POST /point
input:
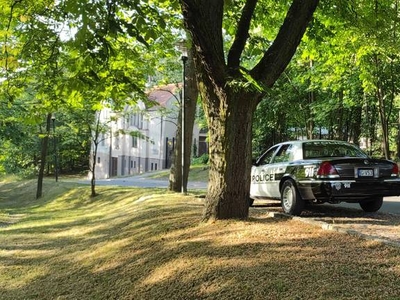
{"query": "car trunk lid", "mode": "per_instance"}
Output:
(359, 168)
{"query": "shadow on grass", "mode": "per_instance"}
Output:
(125, 244)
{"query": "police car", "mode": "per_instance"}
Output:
(322, 171)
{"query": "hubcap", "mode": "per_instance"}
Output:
(287, 198)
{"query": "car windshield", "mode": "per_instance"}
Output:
(317, 149)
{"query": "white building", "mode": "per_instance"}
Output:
(140, 139)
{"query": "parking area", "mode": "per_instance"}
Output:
(390, 205)
(351, 219)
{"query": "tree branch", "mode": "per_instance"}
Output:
(242, 34)
(279, 54)
(204, 26)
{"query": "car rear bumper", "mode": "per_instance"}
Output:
(347, 190)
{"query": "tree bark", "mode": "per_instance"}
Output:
(229, 126)
(96, 142)
(189, 100)
(383, 113)
(43, 155)
(229, 99)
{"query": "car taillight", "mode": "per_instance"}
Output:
(395, 170)
(327, 170)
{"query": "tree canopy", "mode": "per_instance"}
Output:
(275, 69)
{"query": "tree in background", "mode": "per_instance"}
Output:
(177, 179)
(335, 64)
(69, 53)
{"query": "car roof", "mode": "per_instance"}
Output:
(312, 140)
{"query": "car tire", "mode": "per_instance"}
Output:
(372, 205)
(251, 202)
(291, 201)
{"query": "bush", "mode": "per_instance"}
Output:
(202, 160)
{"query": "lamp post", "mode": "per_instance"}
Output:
(53, 118)
(184, 60)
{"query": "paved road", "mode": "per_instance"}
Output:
(390, 205)
(144, 181)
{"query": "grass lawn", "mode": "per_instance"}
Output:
(197, 173)
(133, 243)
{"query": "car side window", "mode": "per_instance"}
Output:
(285, 154)
(267, 156)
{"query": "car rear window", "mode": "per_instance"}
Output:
(317, 149)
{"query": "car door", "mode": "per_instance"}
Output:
(262, 176)
(268, 171)
(278, 166)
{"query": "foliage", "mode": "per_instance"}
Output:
(201, 160)
(72, 57)
(347, 58)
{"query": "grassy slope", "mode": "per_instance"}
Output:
(148, 244)
(197, 173)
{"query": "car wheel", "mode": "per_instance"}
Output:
(251, 201)
(292, 203)
(372, 205)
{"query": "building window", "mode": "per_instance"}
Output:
(133, 119)
(140, 125)
(136, 119)
(116, 140)
(134, 142)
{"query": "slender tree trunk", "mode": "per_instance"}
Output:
(310, 118)
(384, 120)
(340, 117)
(384, 124)
(191, 96)
(356, 126)
(190, 101)
(380, 93)
(43, 155)
(175, 172)
(96, 141)
(93, 169)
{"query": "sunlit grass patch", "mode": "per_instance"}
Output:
(131, 243)
(197, 173)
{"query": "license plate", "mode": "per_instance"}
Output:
(365, 172)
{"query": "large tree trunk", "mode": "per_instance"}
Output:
(229, 127)
(230, 93)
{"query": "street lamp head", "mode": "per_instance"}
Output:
(53, 116)
(184, 58)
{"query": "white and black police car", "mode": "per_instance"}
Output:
(322, 171)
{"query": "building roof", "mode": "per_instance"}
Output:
(161, 95)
